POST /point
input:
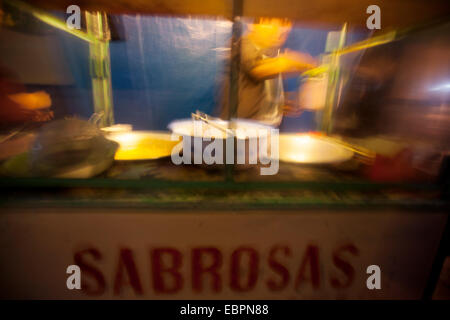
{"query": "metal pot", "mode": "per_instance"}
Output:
(219, 142)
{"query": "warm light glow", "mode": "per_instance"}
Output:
(442, 87)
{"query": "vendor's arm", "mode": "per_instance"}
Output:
(287, 63)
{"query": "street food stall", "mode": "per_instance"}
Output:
(161, 149)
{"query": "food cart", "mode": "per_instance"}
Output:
(139, 225)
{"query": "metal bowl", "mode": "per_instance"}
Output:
(308, 149)
(143, 145)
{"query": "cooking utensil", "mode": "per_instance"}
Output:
(308, 149)
(143, 145)
(240, 130)
(211, 121)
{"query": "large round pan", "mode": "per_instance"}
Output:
(308, 149)
(143, 145)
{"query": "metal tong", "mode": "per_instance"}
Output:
(198, 115)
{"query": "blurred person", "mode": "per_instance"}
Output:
(262, 64)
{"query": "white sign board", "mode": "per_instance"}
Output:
(148, 254)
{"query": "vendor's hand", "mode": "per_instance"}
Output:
(32, 101)
(290, 107)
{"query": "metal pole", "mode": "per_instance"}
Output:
(235, 62)
(100, 66)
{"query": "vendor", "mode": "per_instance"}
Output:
(261, 96)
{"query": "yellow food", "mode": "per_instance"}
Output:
(143, 146)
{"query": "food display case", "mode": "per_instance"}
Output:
(126, 150)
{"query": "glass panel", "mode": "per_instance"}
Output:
(102, 102)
